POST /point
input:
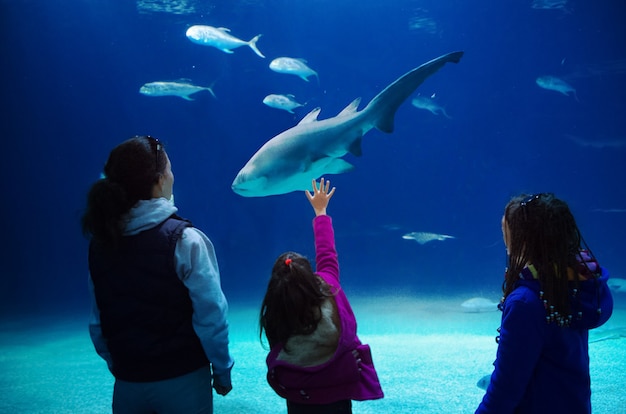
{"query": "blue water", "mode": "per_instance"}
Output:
(72, 71)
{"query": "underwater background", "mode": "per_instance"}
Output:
(72, 72)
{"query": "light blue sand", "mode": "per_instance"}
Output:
(428, 352)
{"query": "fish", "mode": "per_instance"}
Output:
(181, 88)
(553, 83)
(285, 102)
(219, 38)
(617, 285)
(475, 305)
(290, 160)
(293, 66)
(484, 382)
(423, 237)
(429, 104)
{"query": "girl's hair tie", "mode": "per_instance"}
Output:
(288, 262)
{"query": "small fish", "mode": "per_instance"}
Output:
(553, 83)
(182, 88)
(285, 102)
(430, 105)
(617, 285)
(424, 237)
(483, 383)
(293, 66)
(219, 38)
(598, 335)
(475, 305)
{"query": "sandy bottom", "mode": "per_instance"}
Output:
(429, 354)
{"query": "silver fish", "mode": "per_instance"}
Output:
(285, 102)
(553, 83)
(219, 38)
(180, 88)
(293, 66)
(423, 237)
(430, 105)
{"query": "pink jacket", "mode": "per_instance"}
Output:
(350, 373)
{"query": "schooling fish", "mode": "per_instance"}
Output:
(290, 160)
(423, 237)
(285, 102)
(553, 83)
(219, 38)
(181, 88)
(429, 104)
(293, 66)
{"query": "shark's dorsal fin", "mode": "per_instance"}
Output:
(351, 108)
(223, 29)
(311, 116)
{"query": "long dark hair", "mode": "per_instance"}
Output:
(543, 232)
(292, 302)
(132, 169)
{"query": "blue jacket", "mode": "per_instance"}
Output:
(541, 367)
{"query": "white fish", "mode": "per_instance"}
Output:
(429, 104)
(219, 38)
(285, 102)
(617, 285)
(181, 88)
(293, 66)
(553, 83)
(475, 305)
(423, 237)
(289, 161)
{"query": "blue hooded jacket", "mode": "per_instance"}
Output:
(541, 367)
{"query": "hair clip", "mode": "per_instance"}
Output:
(288, 262)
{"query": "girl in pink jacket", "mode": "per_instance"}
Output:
(316, 361)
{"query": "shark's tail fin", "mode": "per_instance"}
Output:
(384, 105)
(252, 44)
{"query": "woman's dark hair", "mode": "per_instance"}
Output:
(132, 169)
(292, 302)
(543, 232)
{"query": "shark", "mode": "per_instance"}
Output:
(220, 38)
(312, 148)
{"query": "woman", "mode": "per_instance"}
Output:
(554, 292)
(316, 361)
(159, 315)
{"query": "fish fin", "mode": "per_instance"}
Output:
(351, 108)
(338, 166)
(311, 116)
(386, 103)
(355, 148)
(252, 44)
(227, 51)
(223, 29)
(187, 98)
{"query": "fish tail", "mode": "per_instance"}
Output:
(252, 44)
(384, 105)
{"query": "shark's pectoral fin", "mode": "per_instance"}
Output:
(329, 165)
(355, 148)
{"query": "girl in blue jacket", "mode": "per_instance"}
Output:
(554, 292)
